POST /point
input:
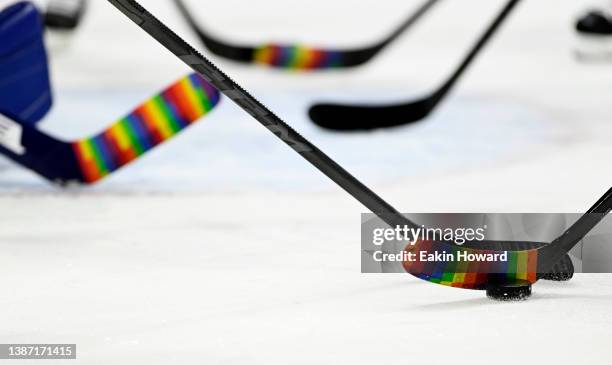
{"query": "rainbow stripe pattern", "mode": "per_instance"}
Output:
(296, 57)
(152, 123)
(521, 266)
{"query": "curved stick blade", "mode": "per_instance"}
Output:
(91, 159)
(362, 118)
(333, 116)
(298, 57)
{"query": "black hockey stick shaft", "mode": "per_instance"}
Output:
(570, 238)
(480, 44)
(149, 23)
(231, 51)
(418, 14)
(367, 117)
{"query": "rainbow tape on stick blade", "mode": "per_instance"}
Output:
(472, 272)
(152, 123)
(297, 57)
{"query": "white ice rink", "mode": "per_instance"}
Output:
(225, 247)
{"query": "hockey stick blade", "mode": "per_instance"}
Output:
(89, 160)
(523, 263)
(343, 117)
(297, 57)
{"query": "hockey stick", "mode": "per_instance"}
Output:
(523, 266)
(65, 14)
(299, 57)
(367, 117)
(91, 159)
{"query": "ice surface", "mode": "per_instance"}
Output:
(227, 151)
(224, 248)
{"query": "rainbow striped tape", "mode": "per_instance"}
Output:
(152, 123)
(520, 266)
(297, 57)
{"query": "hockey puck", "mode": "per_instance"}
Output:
(64, 14)
(515, 291)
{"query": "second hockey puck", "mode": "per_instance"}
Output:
(514, 291)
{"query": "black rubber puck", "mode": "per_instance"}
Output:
(56, 21)
(516, 291)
